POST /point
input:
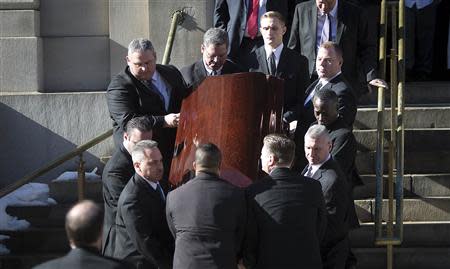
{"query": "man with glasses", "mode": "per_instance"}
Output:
(214, 59)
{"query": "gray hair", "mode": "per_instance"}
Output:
(140, 45)
(216, 37)
(317, 131)
(138, 151)
(281, 147)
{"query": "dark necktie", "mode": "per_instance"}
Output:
(160, 191)
(272, 64)
(153, 88)
(309, 171)
(311, 94)
(213, 73)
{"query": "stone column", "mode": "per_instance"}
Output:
(20, 46)
(130, 19)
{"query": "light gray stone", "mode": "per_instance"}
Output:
(423, 209)
(20, 64)
(415, 117)
(40, 127)
(19, 4)
(74, 18)
(76, 64)
(19, 23)
(128, 19)
(151, 19)
(415, 234)
(189, 35)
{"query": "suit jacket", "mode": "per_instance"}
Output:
(207, 217)
(142, 235)
(85, 258)
(231, 16)
(292, 68)
(346, 108)
(336, 193)
(118, 170)
(195, 73)
(353, 35)
(287, 220)
(127, 98)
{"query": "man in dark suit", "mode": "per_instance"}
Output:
(328, 64)
(343, 151)
(286, 213)
(344, 22)
(214, 59)
(207, 216)
(335, 246)
(148, 89)
(240, 18)
(142, 235)
(275, 59)
(118, 170)
(84, 223)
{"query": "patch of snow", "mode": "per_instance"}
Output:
(73, 175)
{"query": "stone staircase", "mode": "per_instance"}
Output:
(46, 238)
(426, 186)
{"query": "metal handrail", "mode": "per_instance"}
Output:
(177, 18)
(394, 233)
(78, 151)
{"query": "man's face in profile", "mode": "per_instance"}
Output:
(214, 56)
(142, 64)
(151, 167)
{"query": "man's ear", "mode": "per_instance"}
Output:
(272, 160)
(202, 48)
(330, 146)
(137, 165)
(194, 165)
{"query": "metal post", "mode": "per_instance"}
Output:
(81, 178)
(177, 18)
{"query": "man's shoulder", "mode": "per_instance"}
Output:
(120, 79)
(305, 5)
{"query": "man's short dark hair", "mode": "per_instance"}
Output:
(281, 147)
(326, 95)
(332, 45)
(274, 14)
(143, 124)
(208, 156)
(84, 223)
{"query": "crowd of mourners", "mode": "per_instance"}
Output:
(298, 215)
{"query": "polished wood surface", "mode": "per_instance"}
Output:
(234, 112)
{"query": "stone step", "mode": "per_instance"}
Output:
(41, 216)
(430, 162)
(414, 117)
(430, 92)
(67, 191)
(25, 261)
(415, 140)
(37, 240)
(404, 258)
(415, 234)
(423, 209)
(434, 185)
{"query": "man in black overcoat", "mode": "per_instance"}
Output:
(286, 213)
(207, 216)
(83, 226)
(148, 89)
(118, 170)
(142, 235)
(214, 60)
(335, 246)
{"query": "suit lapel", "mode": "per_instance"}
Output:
(261, 57)
(199, 71)
(282, 63)
(340, 25)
